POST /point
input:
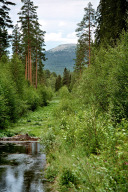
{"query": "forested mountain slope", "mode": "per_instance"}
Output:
(60, 57)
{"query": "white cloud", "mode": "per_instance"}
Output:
(62, 24)
(71, 35)
(53, 36)
(43, 23)
(60, 38)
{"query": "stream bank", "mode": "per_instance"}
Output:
(35, 124)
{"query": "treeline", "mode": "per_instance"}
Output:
(87, 147)
(23, 72)
(16, 95)
(27, 40)
(100, 61)
(106, 24)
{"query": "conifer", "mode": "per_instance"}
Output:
(5, 23)
(84, 33)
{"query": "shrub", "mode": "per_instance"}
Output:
(8, 97)
(32, 98)
(51, 173)
(68, 177)
(64, 92)
(4, 117)
(45, 94)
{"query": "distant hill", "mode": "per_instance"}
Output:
(60, 57)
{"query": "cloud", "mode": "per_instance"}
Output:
(43, 23)
(62, 24)
(59, 37)
(71, 35)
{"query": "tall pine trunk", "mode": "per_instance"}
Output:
(30, 68)
(36, 68)
(28, 52)
(26, 68)
(28, 63)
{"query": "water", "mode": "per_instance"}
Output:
(21, 167)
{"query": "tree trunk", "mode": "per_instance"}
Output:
(36, 68)
(28, 63)
(28, 52)
(30, 68)
(26, 71)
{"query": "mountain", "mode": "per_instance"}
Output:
(60, 57)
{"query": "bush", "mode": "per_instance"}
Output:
(67, 177)
(8, 97)
(45, 94)
(16, 68)
(32, 98)
(51, 173)
(64, 92)
(4, 117)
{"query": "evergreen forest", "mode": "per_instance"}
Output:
(81, 117)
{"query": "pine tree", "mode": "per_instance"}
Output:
(5, 23)
(81, 56)
(84, 32)
(16, 40)
(58, 83)
(32, 41)
(66, 78)
(111, 19)
(27, 18)
(38, 45)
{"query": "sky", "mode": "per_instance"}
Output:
(59, 18)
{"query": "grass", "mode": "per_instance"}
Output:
(35, 123)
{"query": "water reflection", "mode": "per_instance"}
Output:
(20, 167)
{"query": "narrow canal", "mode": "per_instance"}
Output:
(21, 167)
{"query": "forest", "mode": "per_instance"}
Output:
(82, 116)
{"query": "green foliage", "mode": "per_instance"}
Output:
(84, 33)
(68, 177)
(16, 96)
(49, 79)
(8, 96)
(85, 137)
(104, 84)
(3, 109)
(45, 94)
(51, 173)
(35, 98)
(58, 83)
(89, 148)
(32, 98)
(63, 92)
(16, 40)
(111, 23)
(17, 72)
(5, 22)
(66, 78)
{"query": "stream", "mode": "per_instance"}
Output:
(21, 167)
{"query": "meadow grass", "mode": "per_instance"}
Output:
(34, 123)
